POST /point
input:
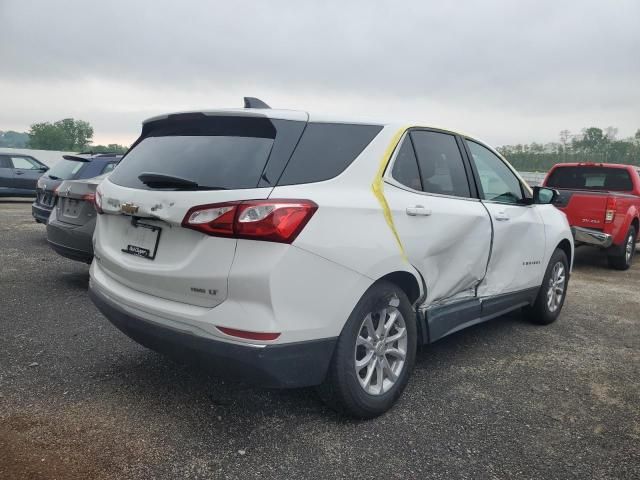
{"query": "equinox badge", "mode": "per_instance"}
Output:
(129, 208)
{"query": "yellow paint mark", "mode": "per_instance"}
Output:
(378, 188)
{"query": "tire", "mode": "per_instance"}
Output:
(550, 300)
(346, 390)
(623, 259)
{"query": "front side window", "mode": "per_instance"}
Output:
(24, 163)
(499, 183)
(440, 163)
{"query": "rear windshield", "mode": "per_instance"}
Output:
(591, 178)
(66, 169)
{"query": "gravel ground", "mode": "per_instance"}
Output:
(501, 400)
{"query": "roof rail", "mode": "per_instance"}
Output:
(252, 102)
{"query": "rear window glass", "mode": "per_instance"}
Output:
(590, 178)
(217, 153)
(326, 150)
(66, 169)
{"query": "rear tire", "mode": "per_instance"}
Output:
(624, 258)
(552, 293)
(374, 355)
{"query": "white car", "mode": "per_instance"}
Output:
(290, 249)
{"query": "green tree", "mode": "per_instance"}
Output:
(593, 140)
(111, 148)
(67, 134)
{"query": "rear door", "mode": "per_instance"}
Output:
(6, 173)
(140, 242)
(26, 172)
(518, 243)
(445, 231)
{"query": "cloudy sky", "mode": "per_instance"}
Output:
(506, 71)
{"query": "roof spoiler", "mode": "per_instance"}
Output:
(252, 102)
(76, 158)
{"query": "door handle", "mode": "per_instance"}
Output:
(418, 210)
(19, 173)
(501, 217)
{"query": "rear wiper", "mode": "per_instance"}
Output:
(159, 180)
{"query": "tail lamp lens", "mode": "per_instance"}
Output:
(610, 212)
(97, 201)
(268, 220)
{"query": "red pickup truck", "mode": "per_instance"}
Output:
(602, 204)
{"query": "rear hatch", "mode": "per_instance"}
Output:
(179, 162)
(75, 199)
(66, 169)
(584, 190)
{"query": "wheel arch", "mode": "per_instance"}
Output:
(407, 282)
(565, 246)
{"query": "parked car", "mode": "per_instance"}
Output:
(291, 250)
(71, 167)
(73, 219)
(19, 175)
(602, 203)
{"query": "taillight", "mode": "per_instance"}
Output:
(269, 220)
(610, 212)
(97, 201)
(89, 197)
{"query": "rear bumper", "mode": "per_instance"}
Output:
(289, 365)
(40, 213)
(591, 237)
(71, 241)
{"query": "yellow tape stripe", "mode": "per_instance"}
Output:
(378, 187)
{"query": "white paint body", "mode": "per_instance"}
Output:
(307, 290)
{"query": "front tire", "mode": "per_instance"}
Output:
(624, 259)
(553, 291)
(374, 355)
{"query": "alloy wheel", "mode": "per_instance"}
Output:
(556, 286)
(381, 349)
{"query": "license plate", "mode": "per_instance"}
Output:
(142, 240)
(71, 208)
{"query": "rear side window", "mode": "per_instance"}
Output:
(326, 150)
(440, 162)
(108, 167)
(65, 169)
(591, 178)
(405, 167)
(5, 162)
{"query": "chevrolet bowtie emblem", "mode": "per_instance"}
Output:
(128, 208)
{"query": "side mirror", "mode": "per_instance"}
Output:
(43, 169)
(544, 196)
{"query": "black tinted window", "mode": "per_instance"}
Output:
(591, 178)
(498, 182)
(405, 166)
(440, 163)
(326, 150)
(5, 162)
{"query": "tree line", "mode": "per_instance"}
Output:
(592, 144)
(67, 135)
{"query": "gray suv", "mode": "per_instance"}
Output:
(19, 175)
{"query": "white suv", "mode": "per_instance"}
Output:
(293, 250)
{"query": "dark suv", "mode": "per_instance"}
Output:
(71, 167)
(19, 174)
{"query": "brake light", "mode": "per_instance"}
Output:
(610, 212)
(97, 201)
(268, 220)
(248, 335)
(89, 197)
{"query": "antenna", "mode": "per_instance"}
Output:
(252, 102)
